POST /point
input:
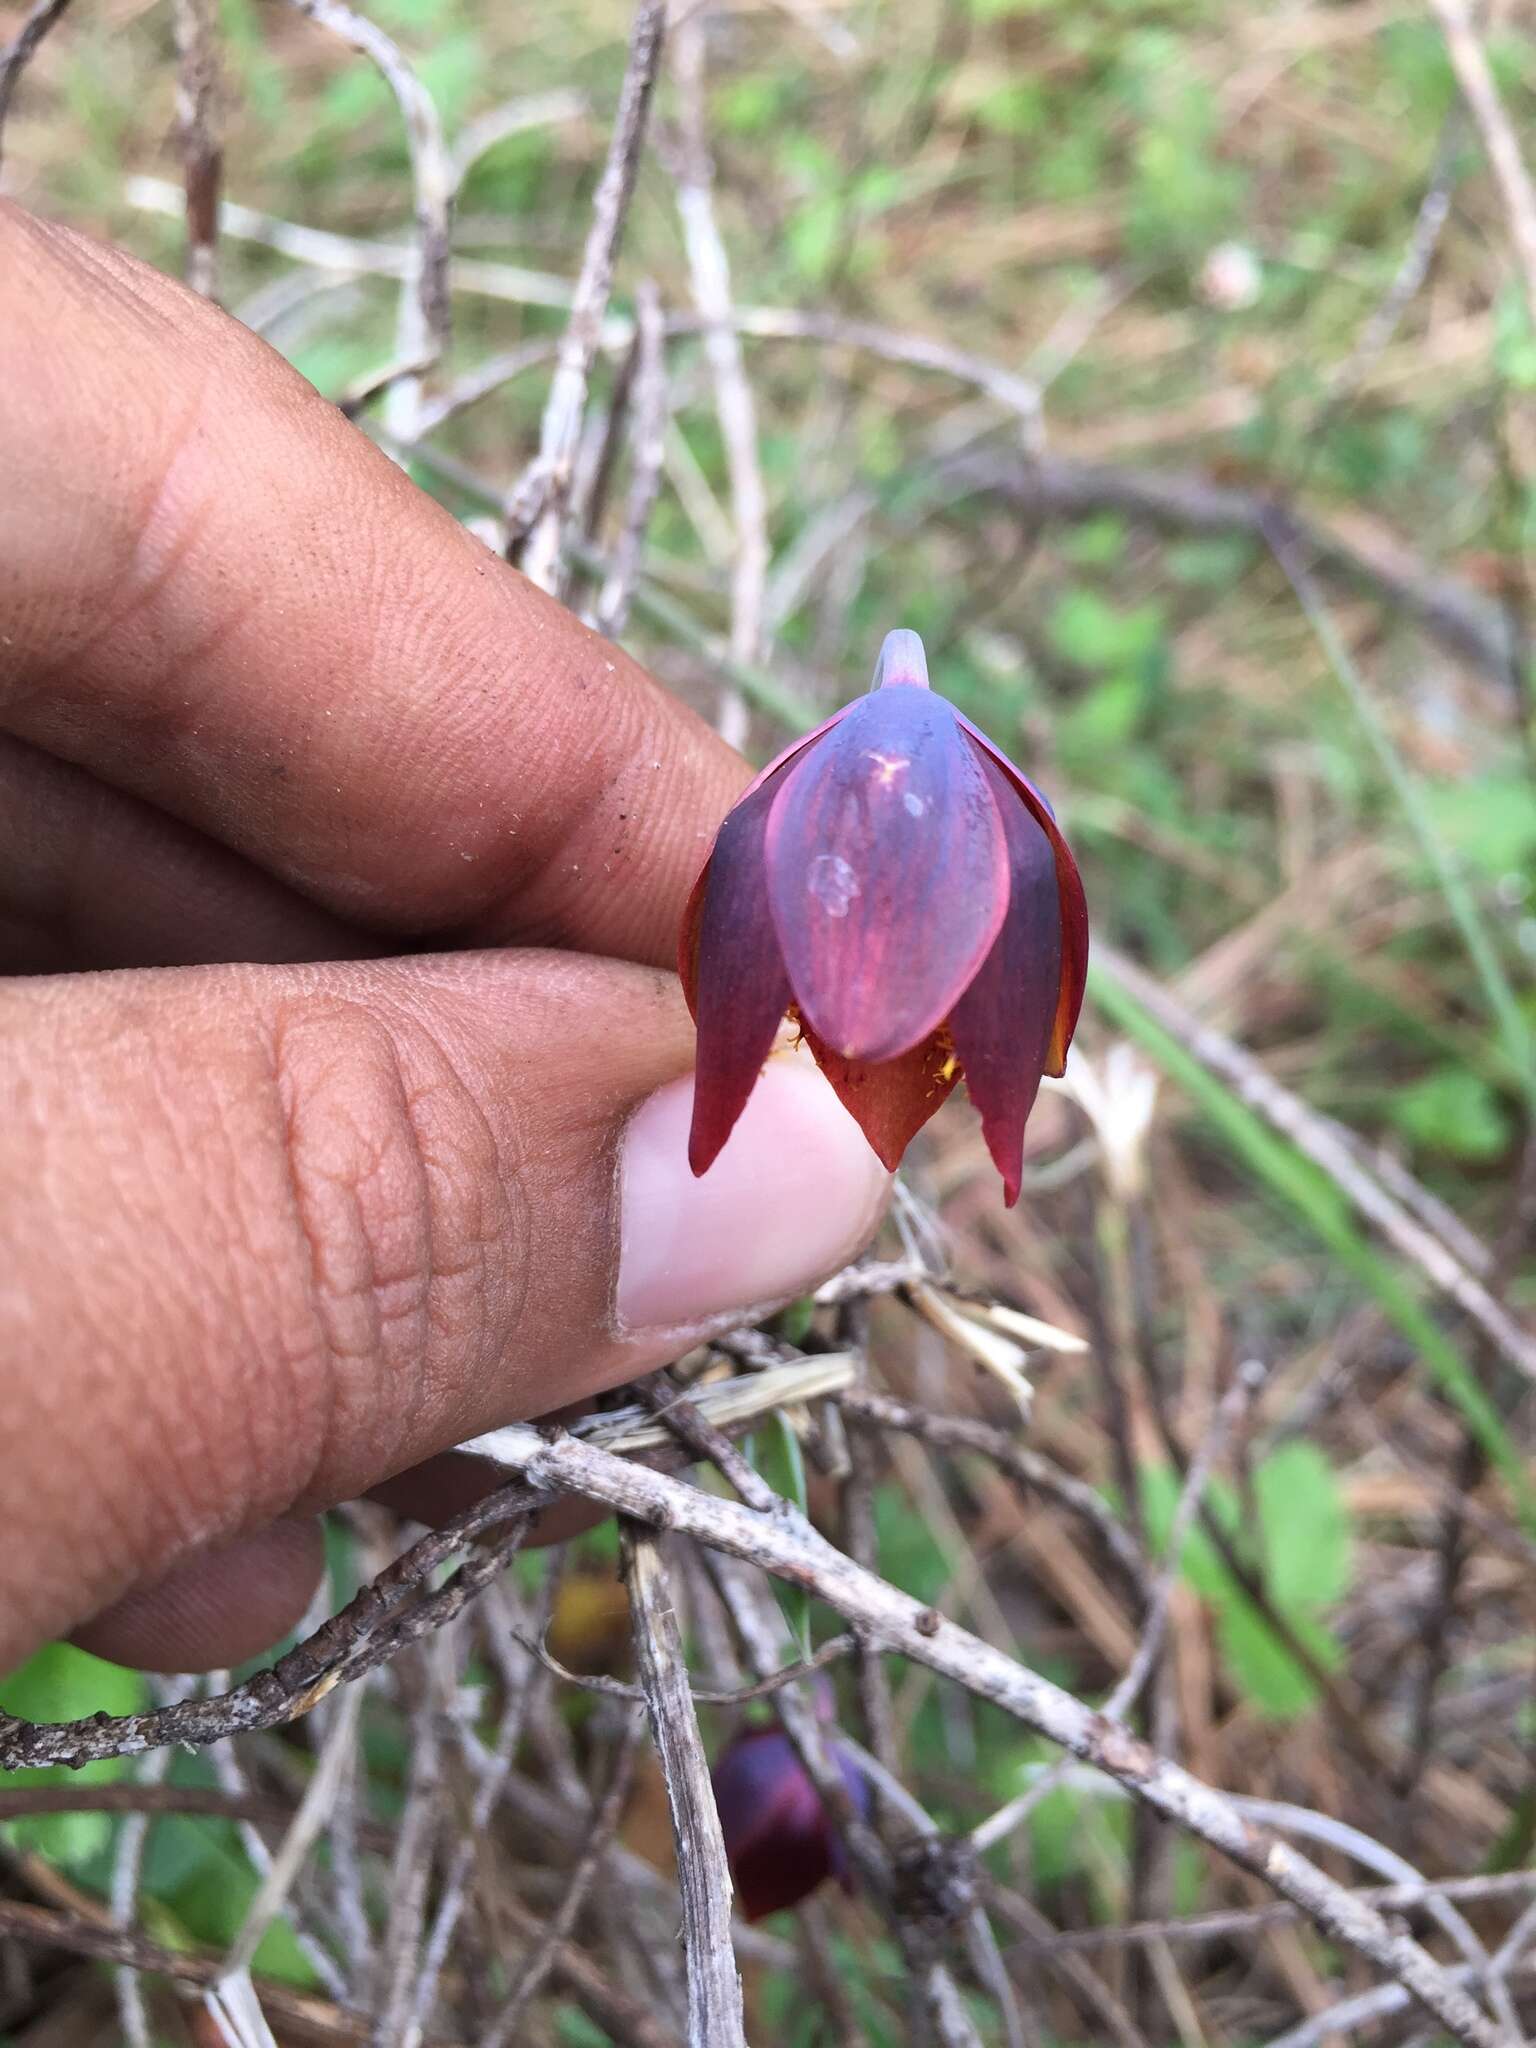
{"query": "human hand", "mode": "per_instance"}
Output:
(272, 1233)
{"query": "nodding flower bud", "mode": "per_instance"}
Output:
(780, 1840)
(894, 884)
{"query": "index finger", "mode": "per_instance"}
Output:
(217, 594)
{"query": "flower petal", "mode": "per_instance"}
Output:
(890, 1100)
(887, 873)
(1002, 1025)
(1074, 905)
(902, 659)
(732, 973)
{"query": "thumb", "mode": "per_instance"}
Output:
(278, 1233)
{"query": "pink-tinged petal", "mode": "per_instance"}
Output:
(1074, 905)
(733, 975)
(892, 1100)
(901, 660)
(887, 873)
(1002, 1025)
(688, 936)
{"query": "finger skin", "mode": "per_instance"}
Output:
(217, 595)
(277, 1233)
(90, 877)
(216, 1608)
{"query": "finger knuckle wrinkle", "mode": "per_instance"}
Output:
(391, 1169)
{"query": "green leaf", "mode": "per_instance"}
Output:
(795, 1321)
(774, 1452)
(65, 1684)
(1263, 1667)
(210, 1902)
(1304, 1528)
(1200, 1564)
(1455, 1112)
(909, 1552)
(814, 236)
(1087, 629)
(1491, 821)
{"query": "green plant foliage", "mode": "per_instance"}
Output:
(872, 1978)
(1295, 1531)
(909, 1553)
(774, 1451)
(1453, 1112)
(1491, 823)
(62, 1683)
(200, 1885)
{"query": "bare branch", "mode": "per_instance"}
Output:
(514, 117)
(303, 1831)
(1117, 1708)
(355, 255)
(710, 271)
(537, 541)
(1014, 392)
(425, 308)
(1025, 1467)
(647, 456)
(127, 1866)
(399, 1606)
(411, 1866)
(1469, 60)
(590, 1985)
(787, 1546)
(1396, 1898)
(734, 1696)
(1468, 624)
(703, 1876)
(197, 119)
(18, 54)
(696, 1433)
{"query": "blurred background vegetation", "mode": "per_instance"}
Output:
(1254, 258)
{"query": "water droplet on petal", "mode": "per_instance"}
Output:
(913, 804)
(833, 883)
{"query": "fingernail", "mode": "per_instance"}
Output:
(795, 1193)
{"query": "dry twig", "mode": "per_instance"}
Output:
(703, 1877)
(19, 53)
(197, 119)
(647, 455)
(1469, 60)
(537, 506)
(787, 1546)
(425, 307)
(709, 269)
